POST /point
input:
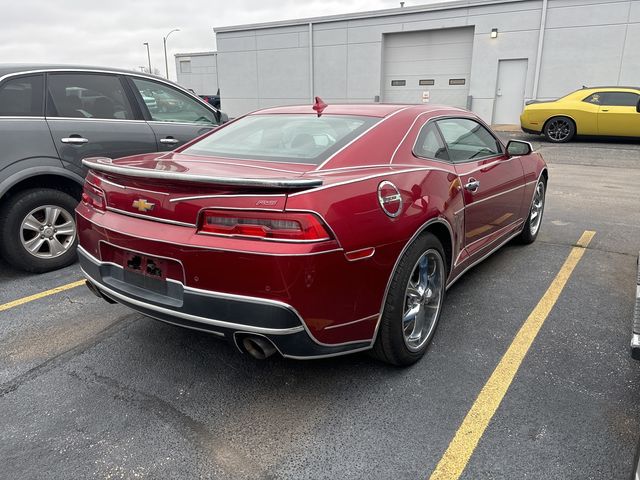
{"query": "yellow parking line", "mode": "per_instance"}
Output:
(455, 459)
(31, 298)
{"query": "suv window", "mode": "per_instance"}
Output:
(614, 99)
(429, 143)
(22, 97)
(166, 104)
(87, 95)
(466, 139)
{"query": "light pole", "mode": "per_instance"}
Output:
(166, 62)
(148, 56)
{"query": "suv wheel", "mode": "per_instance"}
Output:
(38, 230)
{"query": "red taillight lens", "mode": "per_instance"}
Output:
(93, 197)
(268, 225)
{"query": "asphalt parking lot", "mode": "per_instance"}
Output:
(89, 389)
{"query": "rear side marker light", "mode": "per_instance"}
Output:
(360, 254)
(282, 226)
(93, 197)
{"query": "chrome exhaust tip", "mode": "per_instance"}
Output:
(258, 347)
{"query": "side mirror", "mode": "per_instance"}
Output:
(224, 118)
(518, 148)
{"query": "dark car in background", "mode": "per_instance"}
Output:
(51, 117)
(212, 99)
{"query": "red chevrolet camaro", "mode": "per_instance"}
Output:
(310, 232)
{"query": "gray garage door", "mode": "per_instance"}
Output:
(432, 65)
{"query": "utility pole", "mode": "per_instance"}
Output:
(148, 55)
(166, 62)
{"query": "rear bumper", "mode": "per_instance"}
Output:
(529, 130)
(225, 315)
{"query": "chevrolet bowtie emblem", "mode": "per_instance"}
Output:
(142, 205)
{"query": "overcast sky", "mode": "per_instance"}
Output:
(112, 32)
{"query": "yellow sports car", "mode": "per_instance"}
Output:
(609, 111)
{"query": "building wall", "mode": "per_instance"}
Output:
(586, 42)
(203, 75)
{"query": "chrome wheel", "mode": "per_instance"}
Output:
(537, 207)
(48, 231)
(559, 129)
(423, 299)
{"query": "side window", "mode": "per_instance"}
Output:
(619, 99)
(429, 143)
(593, 98)
(87, 95)
(22, 97)
(166, 104)
(466, 139)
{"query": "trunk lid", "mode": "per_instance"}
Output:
(174, 187)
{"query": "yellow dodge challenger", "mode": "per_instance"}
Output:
(609, 111)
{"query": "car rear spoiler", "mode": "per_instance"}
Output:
(103, 164)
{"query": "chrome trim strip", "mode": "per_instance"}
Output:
(234, 181)
(21, 117)
(200, 197)
(476, 202)
(380, 122)
(153, 219)
(363, 167)
(192, 318)
(93, 119)
(261, 239)
(395, 266)
(362, 179)
(353, 322)
(124, 187)
(330, 355)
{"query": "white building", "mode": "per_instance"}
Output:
(198, 71)
(487, 55)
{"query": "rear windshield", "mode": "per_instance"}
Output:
(283, 138)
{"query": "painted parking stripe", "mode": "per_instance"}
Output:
(31, 298)
(457, 455)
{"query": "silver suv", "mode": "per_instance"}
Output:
(51, 117)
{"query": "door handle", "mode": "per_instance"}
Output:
(169, 140)
(75, 140)
(604, 110)
(472, 185)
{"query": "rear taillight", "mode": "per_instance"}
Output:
(94, 197)
(284, 226)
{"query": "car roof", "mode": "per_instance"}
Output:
(12, 68)
(366, 109)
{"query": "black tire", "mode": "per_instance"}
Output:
(528, 234)
(15, 210)
(559, 129)
(390, 345)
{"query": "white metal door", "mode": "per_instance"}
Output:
(428, 66)
(512, 77)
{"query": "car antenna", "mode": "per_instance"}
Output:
(319, 106)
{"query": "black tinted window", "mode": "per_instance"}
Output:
(619, 99)
(166, 104)
(22, 96)
(84, 95)
(467, 139)
(429, 143)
